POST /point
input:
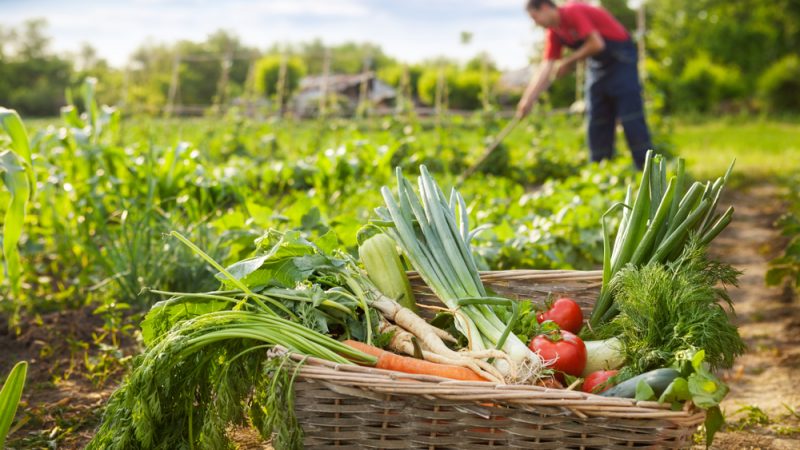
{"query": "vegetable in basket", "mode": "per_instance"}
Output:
(566, 313)
(379, 255)
(603, 355)
(672, 322)
(406, 364)
(433, 232)
(657, 225)
(206, 353)
(564, 352)
(599, 381)
(663, 298)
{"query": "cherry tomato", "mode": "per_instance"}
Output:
(564, 348)
(566, 313)
(593, 381)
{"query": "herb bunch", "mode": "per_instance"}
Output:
(669, 309)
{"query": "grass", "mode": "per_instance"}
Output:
(763, 148)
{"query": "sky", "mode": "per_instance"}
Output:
(410, 30)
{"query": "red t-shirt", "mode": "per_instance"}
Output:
(578, 20)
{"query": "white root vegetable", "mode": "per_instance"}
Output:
(603, 355)
(402, 343)
(430, 340)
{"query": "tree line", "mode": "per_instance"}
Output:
(702, 55)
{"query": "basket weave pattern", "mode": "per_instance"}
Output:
(357, 407)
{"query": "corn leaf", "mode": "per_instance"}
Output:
(9, 398)
(17, 184)
(20, 144)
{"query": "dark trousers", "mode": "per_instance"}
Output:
(613, 92)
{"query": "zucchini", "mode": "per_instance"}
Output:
(382, 262)
(658, 380)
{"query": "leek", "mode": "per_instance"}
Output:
(433, 232)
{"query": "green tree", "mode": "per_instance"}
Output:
(481, 59)
(749, 35)
(349, 57)
(32, 79)
(267, 74)
(429, 79)
(87, 63)
(779, 86)
(200, 71)
(464, 86)
(622, 12)
(393, 74)
(703, 84)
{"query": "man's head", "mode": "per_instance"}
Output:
(543, 12)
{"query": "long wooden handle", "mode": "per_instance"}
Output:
(490, 148)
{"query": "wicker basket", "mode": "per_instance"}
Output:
(357, 407)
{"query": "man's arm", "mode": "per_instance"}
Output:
(593, 45)
(538, 84)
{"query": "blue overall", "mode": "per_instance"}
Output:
(613, 92)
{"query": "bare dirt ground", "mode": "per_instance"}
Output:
(68, 382)
(69, 379)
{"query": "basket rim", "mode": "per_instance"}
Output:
(579, 403)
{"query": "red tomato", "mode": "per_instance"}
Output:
(566, 313)
(595, 379)
(564, 348)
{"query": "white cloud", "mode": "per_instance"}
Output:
(410, 30)
(328, 8)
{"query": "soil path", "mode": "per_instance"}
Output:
(69, 380)
(766, 377)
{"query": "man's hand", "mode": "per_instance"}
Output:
(565, 68)
(594, 44)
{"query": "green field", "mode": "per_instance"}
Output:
(111, 189)
(763, 148)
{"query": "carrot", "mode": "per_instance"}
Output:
(365, 348)
(405, 364)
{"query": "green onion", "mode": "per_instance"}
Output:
(658, 225)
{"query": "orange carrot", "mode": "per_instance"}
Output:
(405, 364)
(365, 348)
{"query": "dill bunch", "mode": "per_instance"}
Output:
(669, 309)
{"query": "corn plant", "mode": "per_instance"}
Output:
(9, 398)
(17, 171)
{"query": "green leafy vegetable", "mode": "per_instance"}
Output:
(706, 390)
(206, 352)
(657, 225)
(676, 393)
(644, 391)
(714, 422)
(669, 309)
(196, 380)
